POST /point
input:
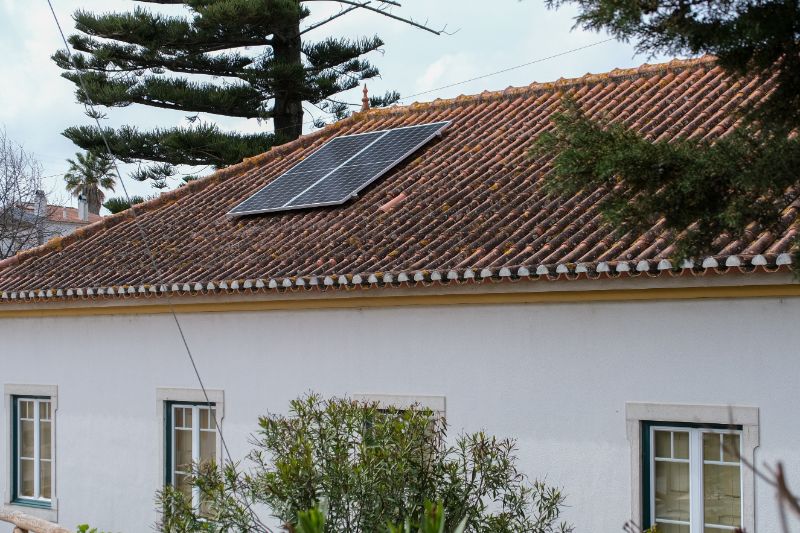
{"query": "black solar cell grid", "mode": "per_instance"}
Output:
(340, 185)
(395, 145)
(339, 169)
(335, 152)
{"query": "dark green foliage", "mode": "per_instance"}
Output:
(734, 185)
(118, 204)
(237, 58)
(702, 190)
(371, 468)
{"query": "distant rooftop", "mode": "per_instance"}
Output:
(68, 215)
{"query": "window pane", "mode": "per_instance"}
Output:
(672, 491)
(183, 450)
(711, 444)
(681, 444)
(26, 438)
(730, 448)
(673, 528)
(26, 478)
(26, 409)
(212, 413)
(183, 485)
(204, 416)
(44, 479)
(45, 440)
(208, 446)
(187, 417)
(178, 411)
(722, 495)
(44, 410)
(663, 447)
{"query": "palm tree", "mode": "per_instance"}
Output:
(88, 174)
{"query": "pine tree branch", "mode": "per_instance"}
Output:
(131, 58)
(168, 33)
(240, 100)
(199, 145)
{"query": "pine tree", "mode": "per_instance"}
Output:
(237, 58)
(700, 189)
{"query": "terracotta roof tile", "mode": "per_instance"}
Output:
(465, 207)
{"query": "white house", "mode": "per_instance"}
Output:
(34, 223)
(451, 279)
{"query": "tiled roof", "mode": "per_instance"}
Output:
(467, 207)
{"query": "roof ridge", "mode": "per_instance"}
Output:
(586, 79)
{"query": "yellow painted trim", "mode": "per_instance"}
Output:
(617, 295)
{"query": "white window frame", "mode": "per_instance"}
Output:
(636, 413)
(10, 501)
(37, 402)
(437, 404)
(176, 396)
(696, 462)
(196, 430)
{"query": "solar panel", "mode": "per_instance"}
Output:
(339, 170)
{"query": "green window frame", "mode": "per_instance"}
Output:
(199, 419)
(697, 463)
(38, 410)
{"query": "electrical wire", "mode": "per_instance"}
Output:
(149, 251)
(509, 69)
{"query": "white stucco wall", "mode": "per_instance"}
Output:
(555, 376)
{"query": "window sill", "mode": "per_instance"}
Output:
(35, 509)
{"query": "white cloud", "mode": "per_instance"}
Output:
(448, 69)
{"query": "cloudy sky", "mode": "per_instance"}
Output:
(36, 104)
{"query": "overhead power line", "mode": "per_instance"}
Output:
(509, 69)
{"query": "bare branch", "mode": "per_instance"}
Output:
(327, 20)
(23, 206)
(383, 11)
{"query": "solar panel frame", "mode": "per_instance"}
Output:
(290, 205)
(285, 187)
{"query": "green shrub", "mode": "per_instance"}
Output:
(373, 468)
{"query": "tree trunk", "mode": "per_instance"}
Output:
(289, 80)
(93, 200)
(30, 524)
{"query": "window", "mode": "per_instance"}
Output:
(191, 440)
(403, 402)
(32, 441)
(687, 471)
(385, 402)
(189, 418)
(30, 425)
(694, 480)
